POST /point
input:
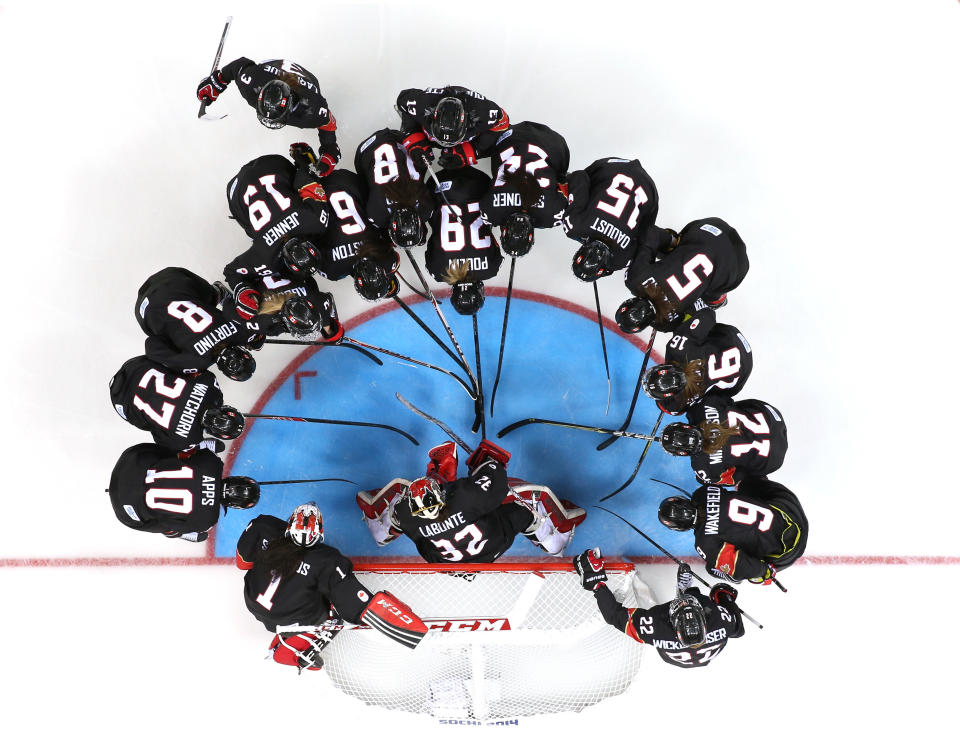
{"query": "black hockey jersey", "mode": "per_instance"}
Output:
(324, 577)
(381, 160)
(652, 626)
(310, 108)
(613, 200)
(276, 285)
(485, 119)
(469, 528)
(468, 241)
(725, 357)
(540, 152)
(709, 260)
(265, 200)
(168, 404)
(738, 531)
(178, 310)
(153, 489)
(349, 226)
(758, 450)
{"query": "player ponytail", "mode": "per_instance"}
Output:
(716, 435)
(693, 388)
(525, 185)
(667, 311)
(459, 273)
(273, 302)
(405, 192)
(282, 556)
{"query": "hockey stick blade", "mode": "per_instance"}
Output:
(305, 480)
(202, 114)
(663, 482)
(636, 393)
(348, 343)
(333, 422)
(639, 462)
(594, 429)
(435, 421)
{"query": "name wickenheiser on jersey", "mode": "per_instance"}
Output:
(189, 414)
(218, 335)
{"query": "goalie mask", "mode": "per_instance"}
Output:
(688, 621)
(664, 381)
(274, 104)
(406, 228)
(448, 126)
(240, 492)
(300, 257)
(425, 498)
(677, 513)
(236, 363)
(305, 526)
(681, 440)
(225, 422)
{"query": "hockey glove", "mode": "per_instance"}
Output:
(302, 649)
(247, 301)
(767, 577)
(419, 148)
(487, 450)
(193, 537)
(303, 156)
(211, 87)
(256, 341)
(394, 618)
(443, 461)
(723, 594)
(589, 566)
(332, 333)
(458, 157)
(327, 162)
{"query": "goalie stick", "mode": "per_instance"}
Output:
(436, 421)
(669, 555)
(300, 419)
(595, 429)
(202, 114)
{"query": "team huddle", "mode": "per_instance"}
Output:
(419, 185)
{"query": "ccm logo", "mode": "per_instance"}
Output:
(470, 624)
(396, 612)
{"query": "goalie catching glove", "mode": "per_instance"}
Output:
(394, 619)
(589, 566)
(487, 450)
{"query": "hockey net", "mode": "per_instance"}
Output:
(506, 640)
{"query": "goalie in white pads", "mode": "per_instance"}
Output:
(473, 519)
(298, 587)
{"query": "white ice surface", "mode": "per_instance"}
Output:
(826, 132)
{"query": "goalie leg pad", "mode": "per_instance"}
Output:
(302, 649)
(394, 619)
(377, 510)
(564, 514)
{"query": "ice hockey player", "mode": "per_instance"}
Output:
(702, 357)
(473, 519)
(462, 250)
(397, 202)
(181, 411)
(689, 631)
(612, 208)
(178, 494)
(708, 260)
(529, 190)
(295, 583)
(727, 441)
(462, 122)
(283, 93)
(274, 199)
(748, 533)
(179, 311)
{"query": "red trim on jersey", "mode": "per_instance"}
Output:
(727, 559)
(469, 153)
(502, 124)
(413, 138)
(242, 564)
(629, 630)
(726, 477)
(313, 191)
(331, 125)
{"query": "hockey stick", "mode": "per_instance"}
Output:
(639, 462)
(676, 560)
(426, 293)
(305, 480)
(436, 421)
(351, 345)
(595, 429)
(476, 352)
(360, 345)
(409, 285)
(426, 329)
(636, 393)
(503, 333)
(441, 191)
(404, 434)
(603, 343)
(216, 61)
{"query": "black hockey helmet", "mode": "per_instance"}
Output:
(681, 440)
(274, 104)
(237, 363)
(677, 513)
(300, 316)
(371, 281)
(448, 125)
(664, 381)
(407, 228)
(225, 422)
(240, 492)
(592, 260)
(635, 314)
(688, 621)
(467, 298)
(516, 234)
(300, 257)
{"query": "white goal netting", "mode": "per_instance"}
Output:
(510, 640)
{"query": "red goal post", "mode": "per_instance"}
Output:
(509, 639)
